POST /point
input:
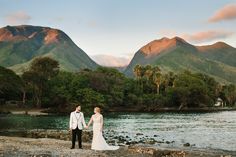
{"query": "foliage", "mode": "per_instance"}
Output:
(42, 69)
(151, 90)
(11, 85)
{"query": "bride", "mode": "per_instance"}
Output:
(98, 142)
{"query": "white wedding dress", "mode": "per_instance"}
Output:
(98, 142)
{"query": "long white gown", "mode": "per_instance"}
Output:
(98, 142)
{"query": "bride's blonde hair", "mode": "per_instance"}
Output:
(98, 109)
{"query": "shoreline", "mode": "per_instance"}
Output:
(44, 111)
(24, 111)
(21, 146)
(121, 140)
(173, 110)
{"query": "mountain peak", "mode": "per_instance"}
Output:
(164, 44)
(27, 32)
(23, 43)
(165, 39)
(220, 45)
(178, 39)
(217, 45)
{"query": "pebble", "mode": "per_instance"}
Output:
(186, 144)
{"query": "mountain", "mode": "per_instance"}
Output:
(20, 44)
(217, 60)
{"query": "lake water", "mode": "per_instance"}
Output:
(202, 130)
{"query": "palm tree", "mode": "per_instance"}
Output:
(148, 72)
(157, 77)
(166, 81)
(137, 71)
(169, 80)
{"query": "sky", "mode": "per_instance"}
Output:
(118, 28)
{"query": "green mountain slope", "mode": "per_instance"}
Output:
(20, 44)
(217, 60)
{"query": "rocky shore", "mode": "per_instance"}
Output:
(50, 143)
(110, 136)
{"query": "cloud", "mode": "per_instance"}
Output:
(19, 17)
(207, 36)
(228, 12)
(111, 61)
(92, 24)
(198, 37)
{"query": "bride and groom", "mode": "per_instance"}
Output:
(77, 123)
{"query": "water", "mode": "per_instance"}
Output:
(203, 130)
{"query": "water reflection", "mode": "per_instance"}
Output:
(214, 130)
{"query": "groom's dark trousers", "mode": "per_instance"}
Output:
(77, 132)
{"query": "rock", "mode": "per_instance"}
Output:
(139, 134)
(57, 134)
(141, 141)
(167, 142)
(128, 143)
(166, 152)
(131, 143)
(169, 153)
(186, 144)
(159, 141)
(150, 141)
(112, 142)
(141, 150)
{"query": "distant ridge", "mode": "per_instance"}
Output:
(175, 54)
(20, 44)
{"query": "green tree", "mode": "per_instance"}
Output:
(11, 85)
(157, 78)
(89, 98)
(228, 94)
(42, 69)
(45, 66)
(195, 89)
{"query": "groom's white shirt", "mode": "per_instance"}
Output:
(77, 119)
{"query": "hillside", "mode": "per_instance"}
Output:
(217, 60)
(20, 44)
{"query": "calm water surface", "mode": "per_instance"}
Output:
(203, 130)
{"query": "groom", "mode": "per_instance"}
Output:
(76, 125)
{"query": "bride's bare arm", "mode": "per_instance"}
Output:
(101, 120)
(90, 121)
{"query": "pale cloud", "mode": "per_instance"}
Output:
(228, 12)
(207, 36)
(19, 17)
(111, 61)
(92, 23)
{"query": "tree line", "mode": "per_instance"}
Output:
(44, 85)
